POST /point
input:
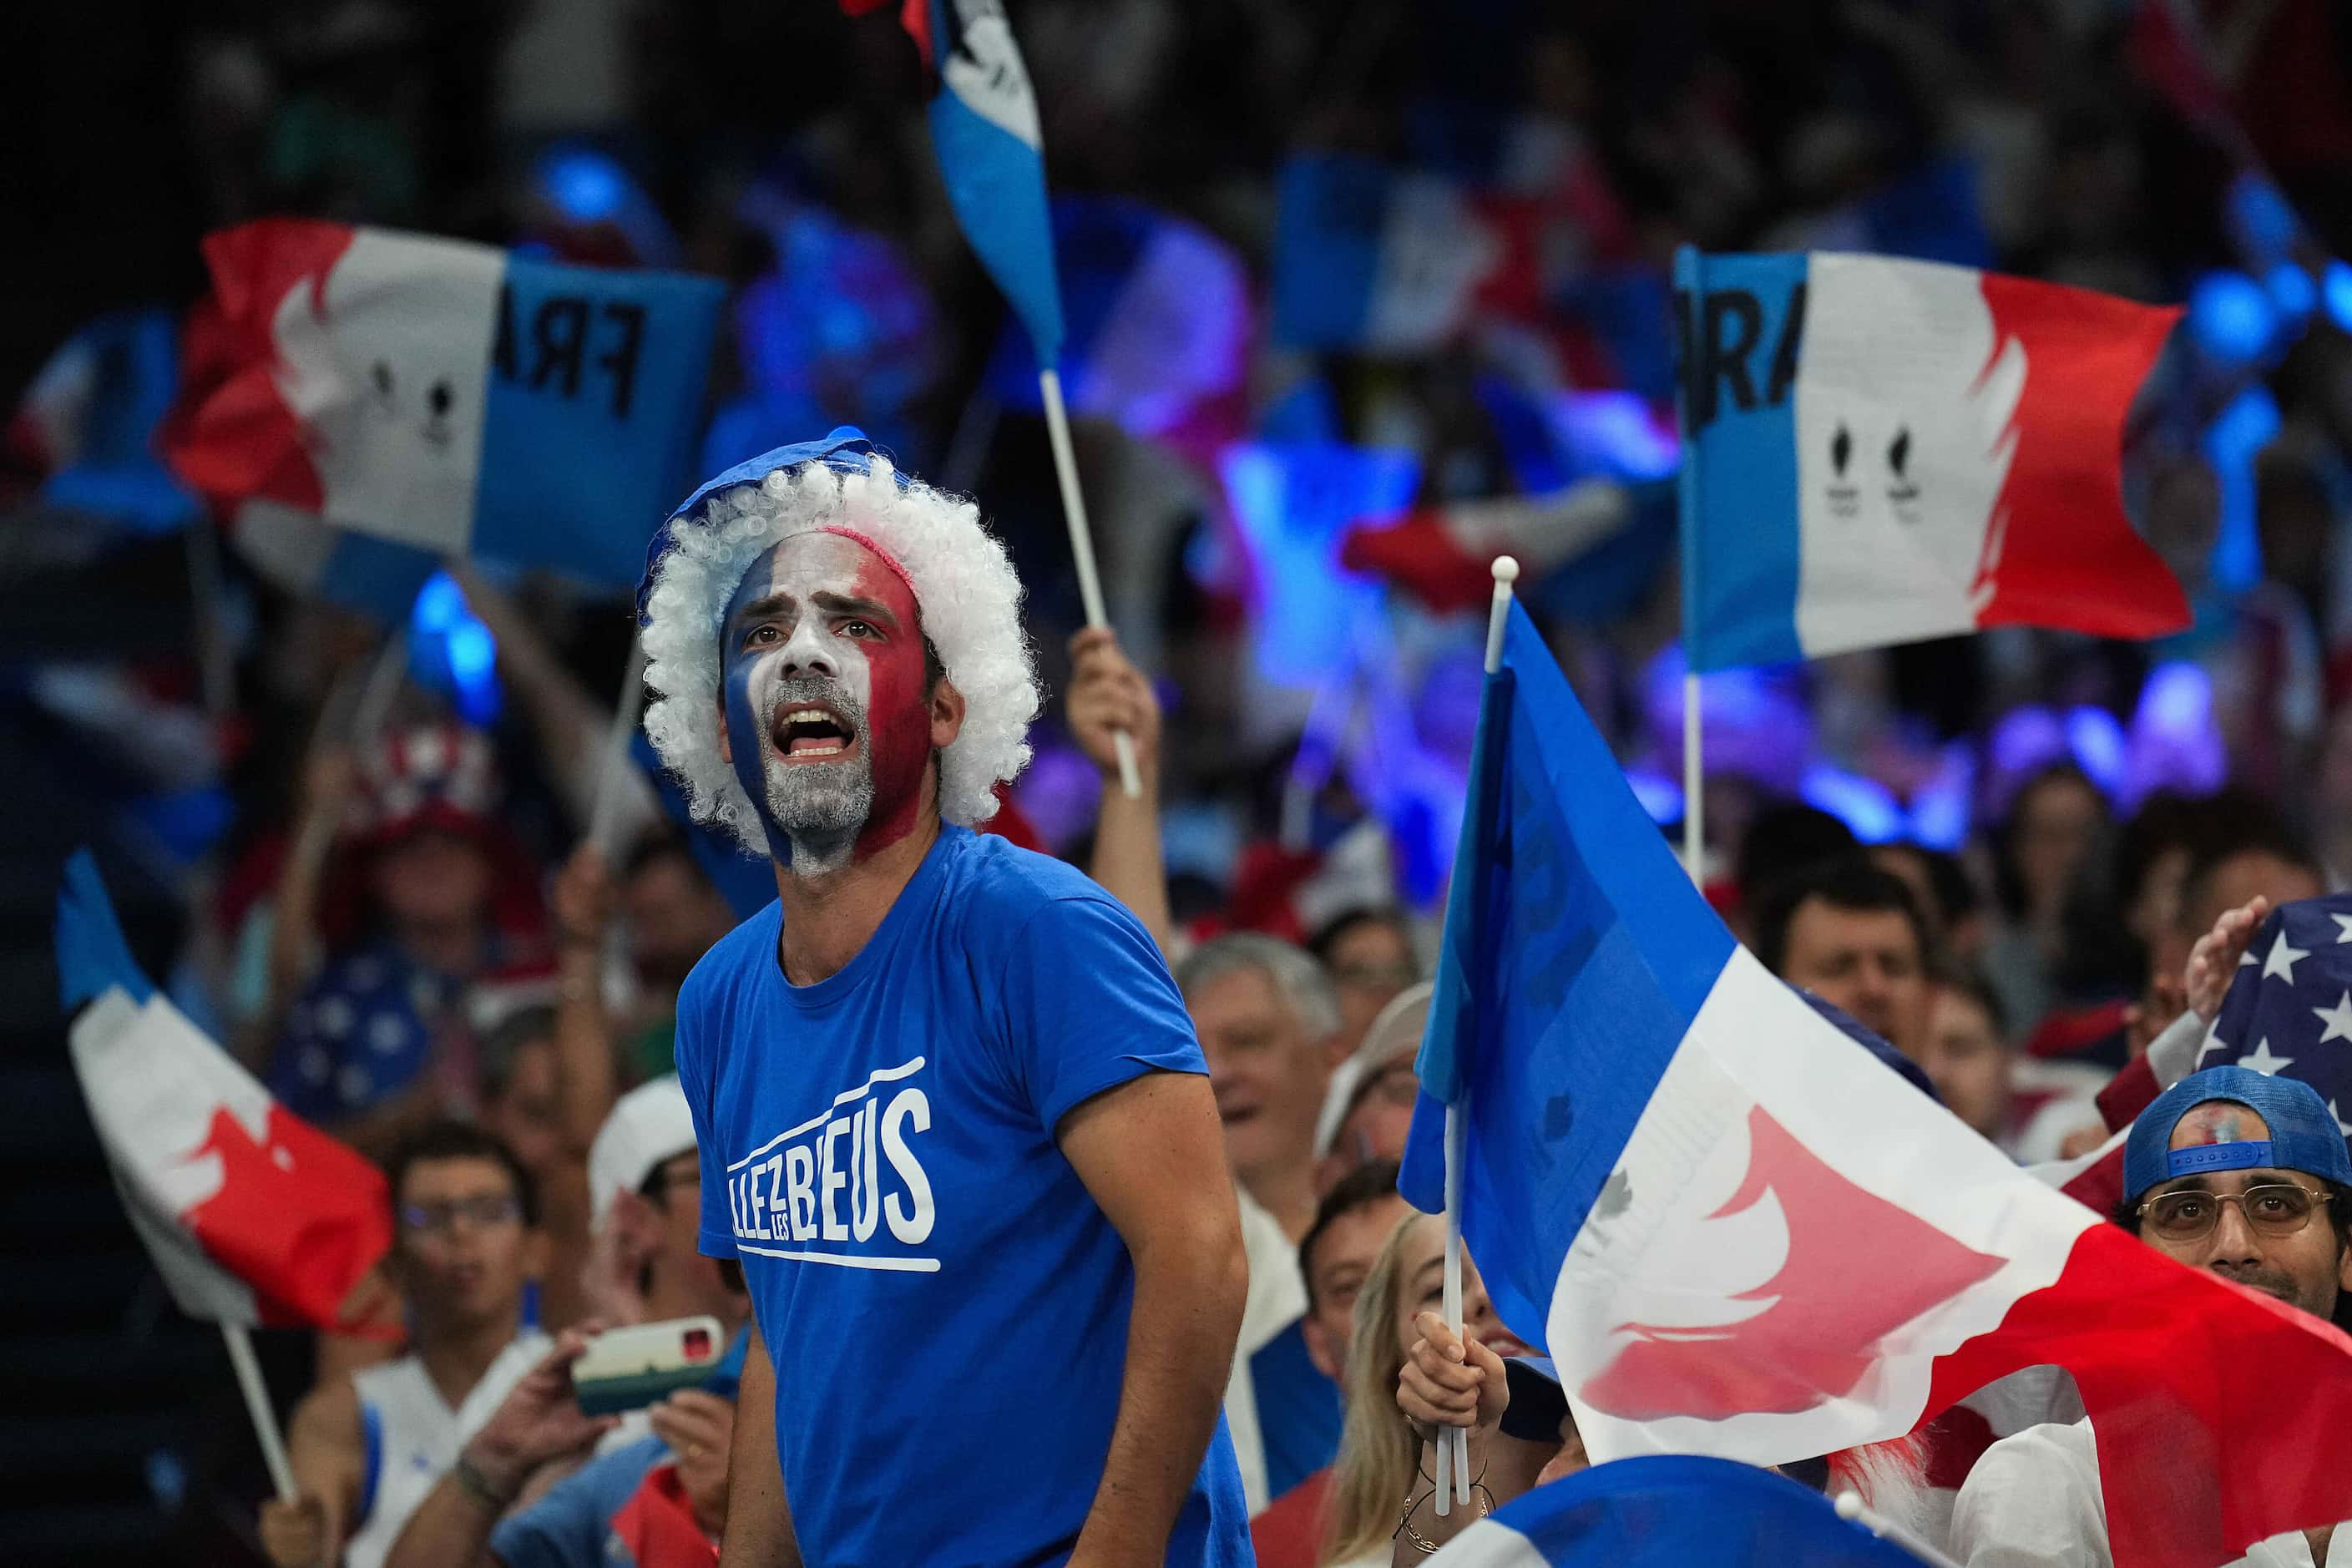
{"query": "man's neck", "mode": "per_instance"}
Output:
(456, 1358)
(830, 918)
(1289, 1195)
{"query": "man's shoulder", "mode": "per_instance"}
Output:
(731, 958)
(1000, 887)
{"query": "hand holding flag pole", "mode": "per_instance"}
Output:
(1453, 1479)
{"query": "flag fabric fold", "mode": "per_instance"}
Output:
(251, 1216)
(1687, 1183)
(442, 394)
(1880, 451)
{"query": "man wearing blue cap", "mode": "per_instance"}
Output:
(2230, 1170)
(953, 1122)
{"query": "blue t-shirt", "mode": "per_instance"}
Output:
(945, 1304)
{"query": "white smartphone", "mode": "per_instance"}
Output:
(629, 1369)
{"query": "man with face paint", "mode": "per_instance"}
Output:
(2229, 1169)
(953, 1122)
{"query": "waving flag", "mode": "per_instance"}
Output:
(1881, 452)
(1373, 258)
(251, 1216)
(1668, 1512)
(1687, 1183)
(88, 422)
(1158, 324)
(443, 394)
(306, 555)
(992, 153)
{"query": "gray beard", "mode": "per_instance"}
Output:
(820, 806)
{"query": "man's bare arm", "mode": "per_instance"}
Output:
(1152, 1153)
(759, 1520)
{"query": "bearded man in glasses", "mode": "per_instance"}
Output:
(2229, 1169)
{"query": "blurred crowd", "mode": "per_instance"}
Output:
(1994, 853)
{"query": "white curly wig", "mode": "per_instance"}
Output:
(966, 594)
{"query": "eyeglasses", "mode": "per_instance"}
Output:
(2273, 1208)
(441, 1219)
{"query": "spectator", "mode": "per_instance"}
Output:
(1268, 1022)
(429, 895)
(1783, 842)
(1368, 953)
(645, 1179)
(2260, 1202)
(1382, 1460)
(672, 916)
(1850, 934)
(1350, 1225)
(2246, 854)
(367, 1449)
(1367, 1108)
(1940, 888)
(2052, 826)
(1964, 1051)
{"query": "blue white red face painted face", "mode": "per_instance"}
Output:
(826, 715)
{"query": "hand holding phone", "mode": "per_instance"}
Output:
(629, 1369)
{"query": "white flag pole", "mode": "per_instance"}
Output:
(257, 1405)
(1694, 786)
(613, 765)
(1454, 1478)
(1690, 295)
(1082, 547)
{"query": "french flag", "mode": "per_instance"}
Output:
(1881, 452)
(1742, 1236)
(1382, 261)
(992, 151)
(445, 396)
(252, 1216)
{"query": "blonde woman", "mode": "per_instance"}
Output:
(1381, 1509)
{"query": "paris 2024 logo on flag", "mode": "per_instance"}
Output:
(1763, 1287)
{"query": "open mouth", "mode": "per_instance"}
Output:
(811, 731)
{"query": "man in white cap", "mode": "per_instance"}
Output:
(952, 1116)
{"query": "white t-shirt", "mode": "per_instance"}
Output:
(2033, 1502)
(412, 1437)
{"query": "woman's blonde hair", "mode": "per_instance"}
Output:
(1380, 1457)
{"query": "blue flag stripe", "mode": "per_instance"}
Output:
(1576, 954)
(93, 955)
(1741, 550)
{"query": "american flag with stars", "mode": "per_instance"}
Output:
(2289, 1008)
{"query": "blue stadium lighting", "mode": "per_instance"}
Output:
(2293, 291)
(2336, 288)
(1863, 804)
(2230, 317)
(587, 186)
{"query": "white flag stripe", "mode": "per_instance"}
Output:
(153, 1084)
(1490, 1544)
(1904, 431)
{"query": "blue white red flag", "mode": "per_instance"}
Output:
(1688, 1184)
(251, 1214)
(1669, 1512)
(444, 394)
(1881, 452)
(1158, 312)
(992, 151)
(1377, 259)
